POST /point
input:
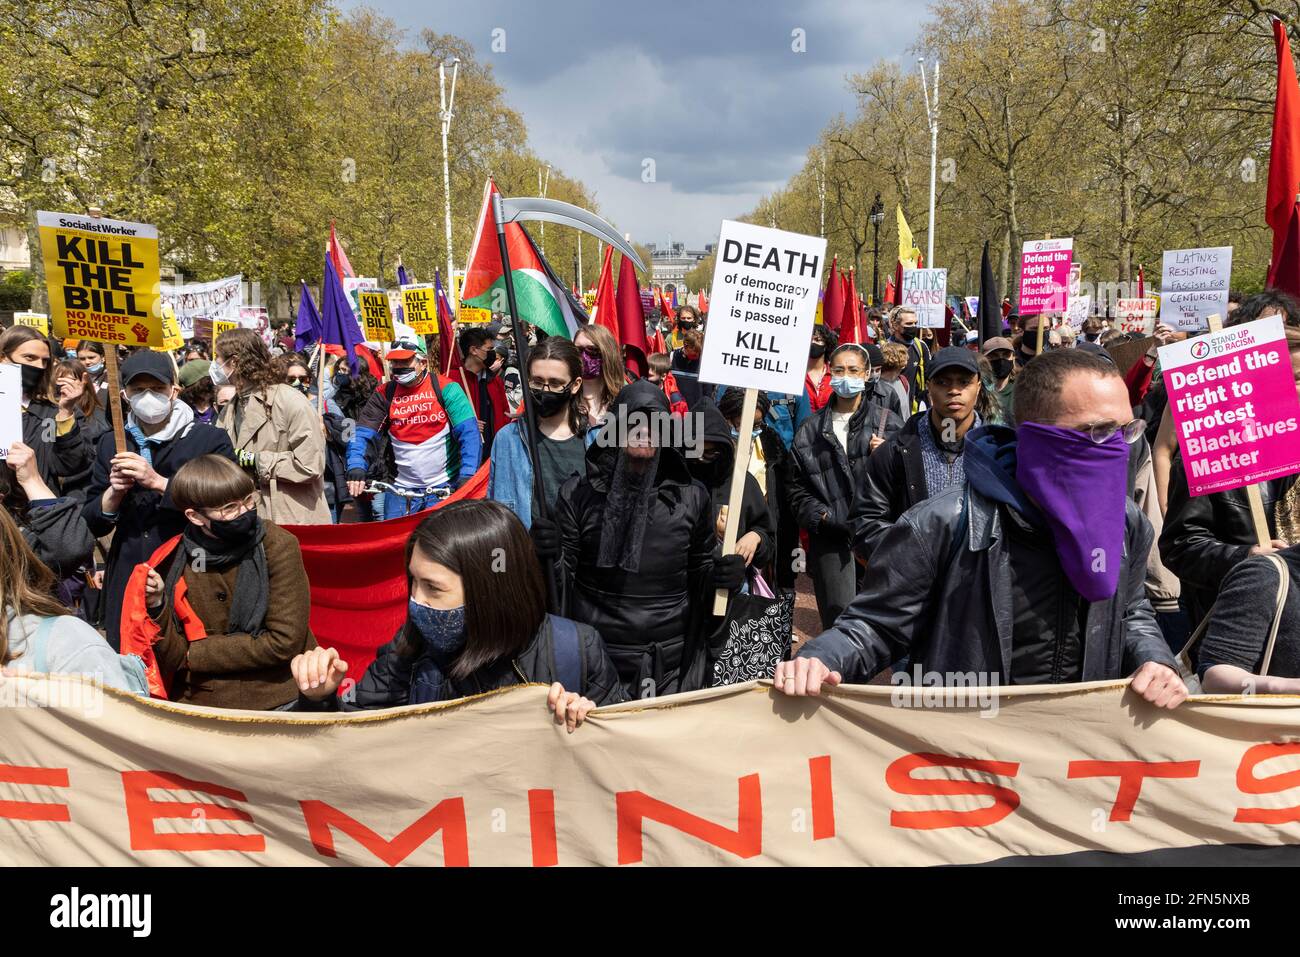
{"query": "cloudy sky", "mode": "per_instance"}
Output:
(710, 90)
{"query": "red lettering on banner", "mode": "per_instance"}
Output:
(823, 799)
(448, 816)
(541, 827)
(142, 811)
(1247, 783)
(899, 778)
(745, 841)
(33, 810)
(1131, 774)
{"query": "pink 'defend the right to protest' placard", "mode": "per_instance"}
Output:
(1232, 394)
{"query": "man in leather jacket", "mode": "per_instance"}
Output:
(986, 578)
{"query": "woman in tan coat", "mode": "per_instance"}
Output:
(278, 436)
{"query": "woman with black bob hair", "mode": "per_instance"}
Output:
(476, 621)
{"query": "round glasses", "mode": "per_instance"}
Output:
(234, 509)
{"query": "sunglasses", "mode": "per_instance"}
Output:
(1100, 432)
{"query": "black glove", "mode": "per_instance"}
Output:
(356, 475)
(546, 538)
(833, 530)
(729, 572)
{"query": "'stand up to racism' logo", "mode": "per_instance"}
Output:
(1200, 349)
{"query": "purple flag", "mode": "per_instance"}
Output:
(307, 331)
(402, 280)
(338, 324)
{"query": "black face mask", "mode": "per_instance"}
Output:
(817, 350)
(32, 376)
(1001, 368)
(710, 471)
(236, 531)
(910, 332)
(549, 403)
(686, 326)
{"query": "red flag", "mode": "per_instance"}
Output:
(1141, 284)
(337, 254)
(850, 328)
(889, 292)
(833, 300)
(606, 302)
(657, 344)
(449, 357)
(358, 577)
(897, 298)
(631, 314)
(1286, 271)
(1284, 155)
(704, 302)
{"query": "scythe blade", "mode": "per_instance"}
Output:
(535, 208)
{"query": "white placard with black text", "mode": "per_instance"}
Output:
(762, 308)
(11, 407)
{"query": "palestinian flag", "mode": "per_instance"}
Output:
(539, 293)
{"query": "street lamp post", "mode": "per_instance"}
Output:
(446, 102)
(877, 216)
(932, 117)
(541, 189)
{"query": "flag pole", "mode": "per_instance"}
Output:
(543, 507)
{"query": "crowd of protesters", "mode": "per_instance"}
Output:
(943, 499)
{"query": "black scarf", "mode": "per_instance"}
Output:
(252, 582)
(627, 509)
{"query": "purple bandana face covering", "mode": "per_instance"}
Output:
(1080, 487)
(591, 365)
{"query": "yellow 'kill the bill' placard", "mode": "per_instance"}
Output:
(420, 307)
(171, 331)
(376, 320)
(37, 320)
(102, 277)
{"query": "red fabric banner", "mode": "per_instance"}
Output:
(358, 579)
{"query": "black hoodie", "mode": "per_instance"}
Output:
(716, 476)
(652, 620)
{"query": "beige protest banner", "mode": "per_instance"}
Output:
(904, 775)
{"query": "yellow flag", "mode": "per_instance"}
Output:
(907, 251)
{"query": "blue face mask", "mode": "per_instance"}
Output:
(847, 386)
(443, 629)
(735, 434)
(96, 369)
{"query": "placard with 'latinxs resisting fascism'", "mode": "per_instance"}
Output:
(1194, 286)
(763, 307)
(1233, 397)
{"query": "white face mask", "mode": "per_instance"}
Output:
(151, 407)
(217, 373)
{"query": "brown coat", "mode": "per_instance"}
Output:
(282, 427)
(240, 670)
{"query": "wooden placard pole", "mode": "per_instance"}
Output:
(737, 494)
(1257, 516)
(114, 379)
